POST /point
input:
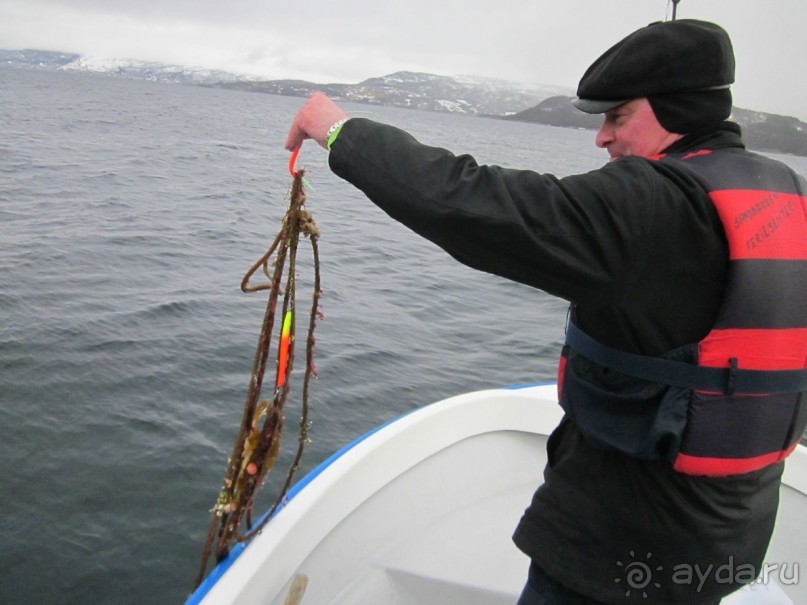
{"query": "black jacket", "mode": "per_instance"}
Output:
(637, 247)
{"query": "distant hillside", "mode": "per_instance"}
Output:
(761, 131)
(457, 94)
(120, 68)
(37, 59)
(770, 132)
(412, 90)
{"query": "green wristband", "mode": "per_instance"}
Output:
(333, 132)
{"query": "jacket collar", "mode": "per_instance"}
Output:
(727, 134)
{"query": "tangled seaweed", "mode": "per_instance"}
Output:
(258, 443)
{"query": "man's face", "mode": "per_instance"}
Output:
(632, 129)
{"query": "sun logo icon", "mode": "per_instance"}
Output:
(637, 575)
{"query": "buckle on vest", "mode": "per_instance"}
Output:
(733, 366)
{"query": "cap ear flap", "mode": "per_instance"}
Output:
(686, 112)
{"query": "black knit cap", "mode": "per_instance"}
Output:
(683, 67)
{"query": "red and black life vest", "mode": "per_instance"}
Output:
(741, 403)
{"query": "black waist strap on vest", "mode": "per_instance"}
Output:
(686, 375)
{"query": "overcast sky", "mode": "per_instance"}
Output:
(534, 41)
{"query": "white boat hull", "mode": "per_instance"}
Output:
(390, 520)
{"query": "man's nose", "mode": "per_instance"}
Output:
(604, 135)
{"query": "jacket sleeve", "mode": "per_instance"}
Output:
(574, 237)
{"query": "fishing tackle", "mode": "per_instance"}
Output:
(257, 446)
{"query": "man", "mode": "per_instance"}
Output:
(684, 247)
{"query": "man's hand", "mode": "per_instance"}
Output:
(313, 121)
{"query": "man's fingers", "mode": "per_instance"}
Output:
(295, 139)
(313, 120)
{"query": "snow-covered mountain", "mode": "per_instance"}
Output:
(471, 95)
(458, 94)
(36, 59)
(124, 68)
(149, 70)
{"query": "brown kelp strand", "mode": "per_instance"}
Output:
(257, 446)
